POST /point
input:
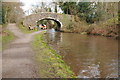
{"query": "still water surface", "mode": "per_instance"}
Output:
(88, 56)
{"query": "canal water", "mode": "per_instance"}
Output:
(87, 56)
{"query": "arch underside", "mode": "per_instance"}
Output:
(57, 21)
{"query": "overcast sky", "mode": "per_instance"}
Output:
(28, 3)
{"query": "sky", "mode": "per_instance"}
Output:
(28, 3)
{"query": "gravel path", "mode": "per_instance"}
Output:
(18, 57)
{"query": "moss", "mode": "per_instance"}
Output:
(50, 64)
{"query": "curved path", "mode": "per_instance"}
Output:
(18, 57)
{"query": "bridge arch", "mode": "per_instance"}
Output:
(59, 23)
(63, 20)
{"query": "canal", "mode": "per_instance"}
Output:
(88, 56)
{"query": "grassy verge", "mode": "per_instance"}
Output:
(0, 38)
(0, 43)
(24, 29)
(6, 37)
(50, 64)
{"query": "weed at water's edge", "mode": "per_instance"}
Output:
(50, 64)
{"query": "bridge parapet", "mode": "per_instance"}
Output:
(63, 19)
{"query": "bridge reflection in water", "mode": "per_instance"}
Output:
(88, 56)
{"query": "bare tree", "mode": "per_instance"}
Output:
(12, 11)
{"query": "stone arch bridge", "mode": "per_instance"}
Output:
(63, 20)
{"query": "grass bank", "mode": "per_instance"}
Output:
(50, 64)
(24, 29)
(7, 36)
(0, 43)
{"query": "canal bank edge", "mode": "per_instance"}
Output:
(108, 28)
(50, 64)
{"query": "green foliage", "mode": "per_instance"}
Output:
(49, 10)
(50, 63)
(3, 14)
(91, 12)
(119, 12)
(42, 22)
(83, 9)
(56, 8)
(87, 11)
(68, 7)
